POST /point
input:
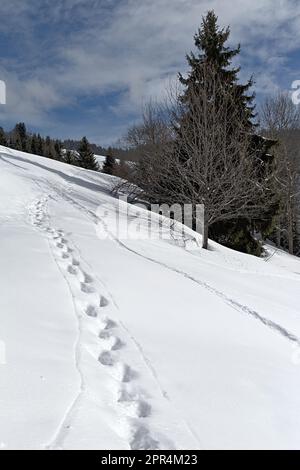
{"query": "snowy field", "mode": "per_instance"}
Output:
(135, 344)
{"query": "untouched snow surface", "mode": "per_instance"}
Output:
(135, 344)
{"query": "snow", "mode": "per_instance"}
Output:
(116, 343)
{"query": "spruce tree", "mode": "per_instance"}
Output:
(48, 150)
(3, 139)
(20, 134)
(86, 158)
(39, 145)
(68, 157)
(28, 148)
(58, 149)
(34, 144)
(109, 166)
(16, 141)
(210, 41)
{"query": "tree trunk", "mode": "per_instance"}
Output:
(278, 237)
(205, 232)
(278, 232)
(290, 228)
(291, 236)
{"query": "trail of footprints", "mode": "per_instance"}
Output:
(128, 396)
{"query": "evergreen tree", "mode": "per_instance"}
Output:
(28, 148)
(3, 139)
(39, 145)
(34, 144)
(210, 40)
(86, 158)
(16, 142)
(11, 142)
(109, 166)
(58, 149)
(49, 149)
(20, 134)
(68, 157)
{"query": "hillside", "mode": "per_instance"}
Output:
(118, 343)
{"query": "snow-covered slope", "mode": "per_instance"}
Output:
(117, 343)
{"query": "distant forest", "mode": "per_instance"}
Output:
(118, 152)
(20, 139)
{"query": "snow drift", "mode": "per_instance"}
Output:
(112, 343)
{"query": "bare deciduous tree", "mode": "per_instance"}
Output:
(202, 156)
(278, 113)
(280, 119)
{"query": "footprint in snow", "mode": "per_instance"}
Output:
(124, 373)
(139, 408)
(104, 334)
(134, 404)
(116, 343)
(142, 440)
(120, 371)
(103, 301)
(107, 323)
(87, 278)
(87, 288)
(106, 359)
(91, 311)
(72, 269)
(113, 343)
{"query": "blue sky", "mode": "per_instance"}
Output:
(85, 67)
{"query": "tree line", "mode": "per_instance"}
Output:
(20, 139)
(119, 151)
(78, 153)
